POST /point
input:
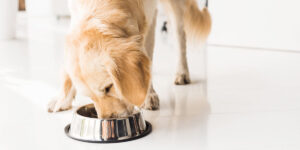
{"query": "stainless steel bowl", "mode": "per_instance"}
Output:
(86, 127)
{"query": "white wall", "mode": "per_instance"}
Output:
(273, 24)
(256, 23)
(46, 8)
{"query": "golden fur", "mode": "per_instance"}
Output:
(105, 55)
(104, 49)
(197, 23)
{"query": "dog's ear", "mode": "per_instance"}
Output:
(130, 72)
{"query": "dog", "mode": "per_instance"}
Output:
(109, 50)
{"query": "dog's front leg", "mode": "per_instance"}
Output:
(65, 98)
(152, 101)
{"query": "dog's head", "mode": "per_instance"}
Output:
(113, 71)
(128, 69)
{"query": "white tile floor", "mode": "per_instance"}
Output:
(239, 99)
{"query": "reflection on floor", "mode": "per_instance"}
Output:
(238, 99)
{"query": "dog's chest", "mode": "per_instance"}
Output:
(149, 9)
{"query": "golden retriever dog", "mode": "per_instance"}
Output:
(109, 48)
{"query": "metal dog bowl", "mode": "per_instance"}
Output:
(87, 127)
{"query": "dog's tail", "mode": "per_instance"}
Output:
(197, 23)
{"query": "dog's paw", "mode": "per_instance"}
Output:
(57, 105)
(152, 101)
(182, 79)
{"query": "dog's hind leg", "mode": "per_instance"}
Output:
(175, 14)
(152, 101)
(65, 98)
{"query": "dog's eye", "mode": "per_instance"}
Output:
(107, 89)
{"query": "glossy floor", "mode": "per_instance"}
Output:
(239, 99)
